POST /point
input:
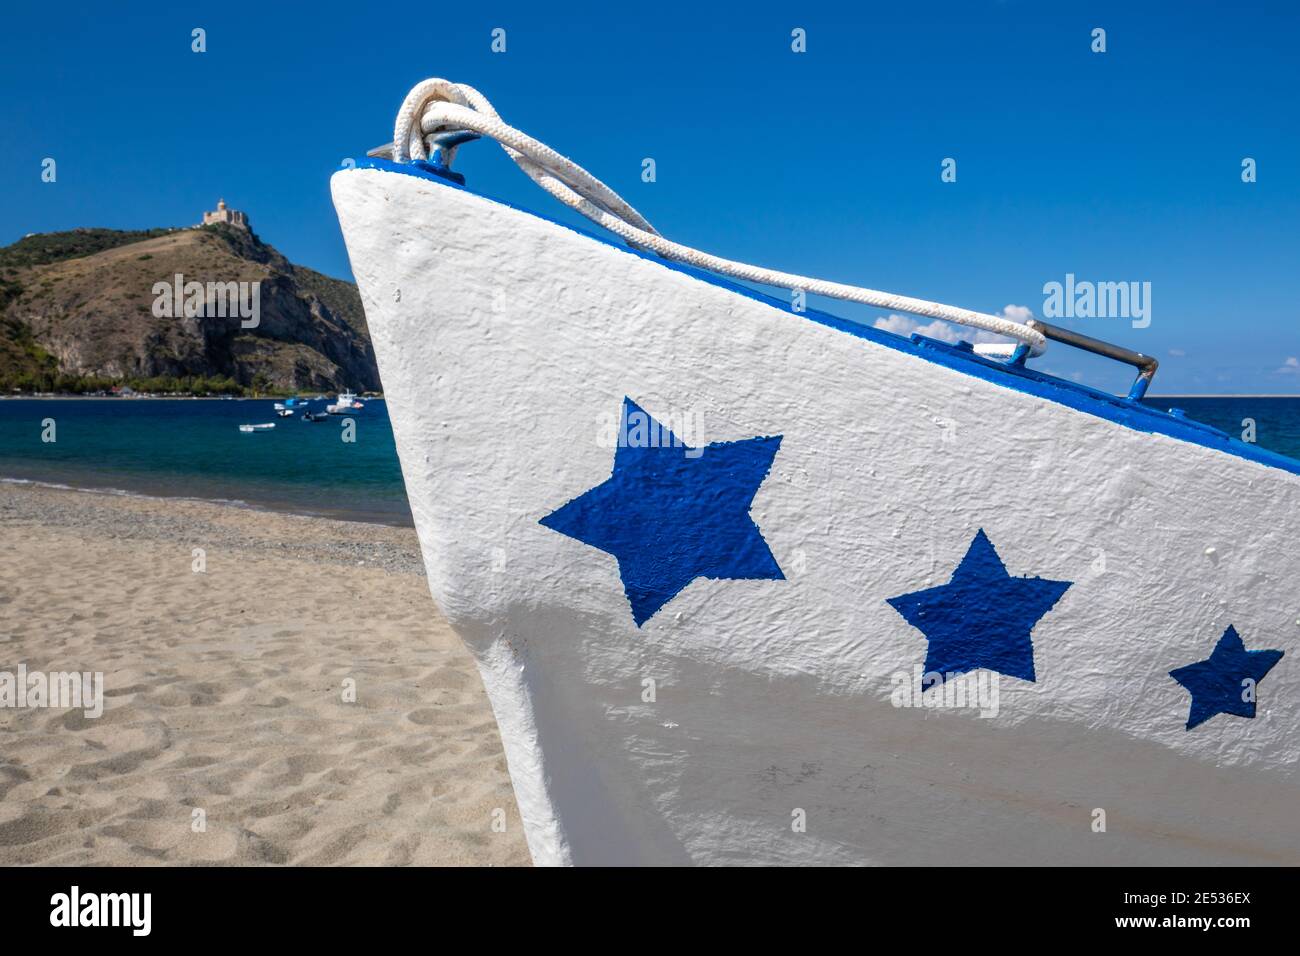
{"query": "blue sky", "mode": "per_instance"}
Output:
(1116, 166)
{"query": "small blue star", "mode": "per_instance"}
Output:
(982, 617)
(670, 513)
(1217, 682)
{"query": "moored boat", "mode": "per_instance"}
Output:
(753, 584)
(346, 402)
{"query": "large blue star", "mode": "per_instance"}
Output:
(1217, 682)
(982, 617)
(670, 513)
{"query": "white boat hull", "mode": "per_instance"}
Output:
(763, 718)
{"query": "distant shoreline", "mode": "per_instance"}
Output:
(9, 481)
(63, 396)
(380, 396)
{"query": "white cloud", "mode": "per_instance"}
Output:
(1017, 313)
(1178, 353)
(948, 332)
(1290, 367)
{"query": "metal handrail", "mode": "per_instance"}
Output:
(1145, 364)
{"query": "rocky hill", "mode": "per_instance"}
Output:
(79, 311)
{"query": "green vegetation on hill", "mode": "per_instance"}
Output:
(245, 244)
(45, 248)
(52, 381)
(24, 365)
(79, 316)
(22, 361)
(9, 291)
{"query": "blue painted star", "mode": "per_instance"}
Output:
(1217, 682)
(670, 513)
(982, 617)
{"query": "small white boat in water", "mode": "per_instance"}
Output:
(257, 428)
(754, 584)
(346, 402)
(285, 412)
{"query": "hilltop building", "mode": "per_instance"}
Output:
(231, 217)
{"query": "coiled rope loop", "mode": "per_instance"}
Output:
(437, 106)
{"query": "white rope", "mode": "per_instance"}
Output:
(439, 106)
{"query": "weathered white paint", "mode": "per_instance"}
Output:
(505, 344)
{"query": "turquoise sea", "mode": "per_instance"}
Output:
(1276, 418)
(192, 448)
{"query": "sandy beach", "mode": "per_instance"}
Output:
(227, 735)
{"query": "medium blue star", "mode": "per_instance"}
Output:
(1217, 682)
(670, 513)
(982, 617)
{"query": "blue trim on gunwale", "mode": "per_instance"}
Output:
(1021, 378)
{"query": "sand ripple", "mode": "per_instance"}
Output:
(225, 694)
